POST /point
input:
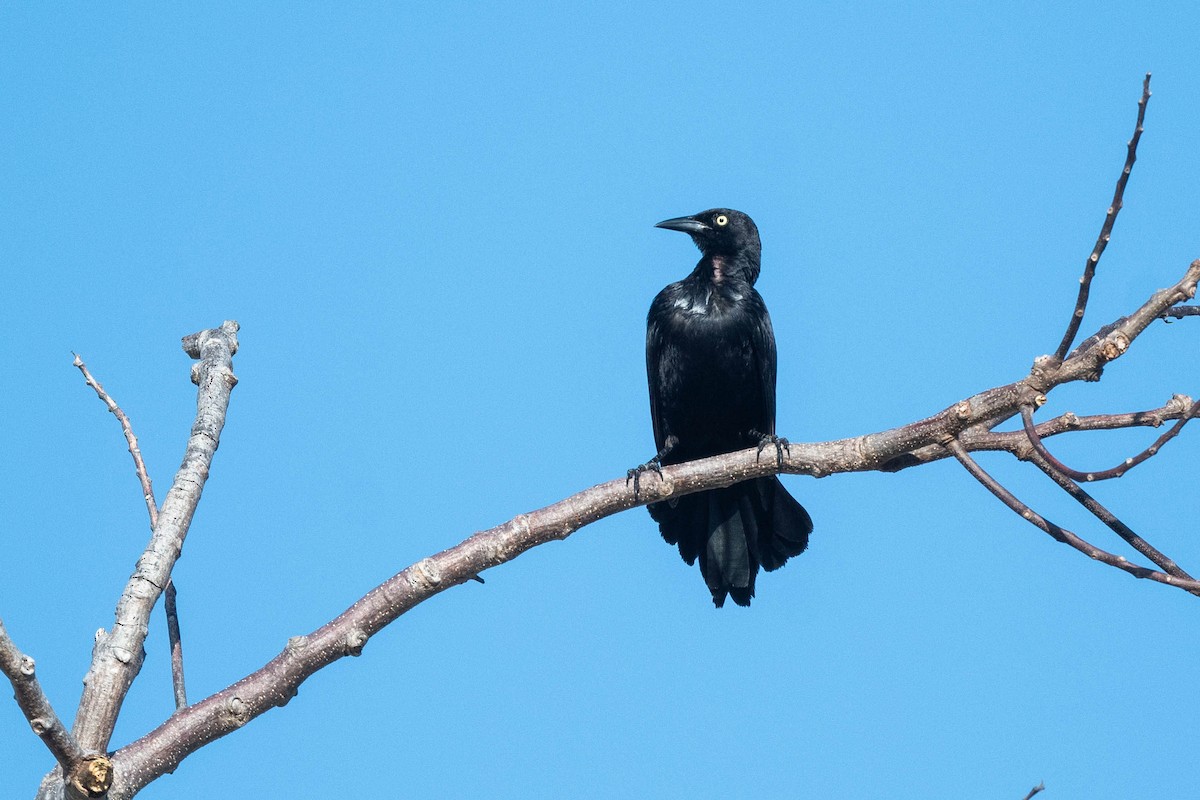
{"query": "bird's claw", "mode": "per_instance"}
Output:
(635, 474)
(780, 443)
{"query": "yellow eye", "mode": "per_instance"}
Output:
(721, 220)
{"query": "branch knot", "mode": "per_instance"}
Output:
(1115, 346)
(355, 641)
(236, 711)
(92, 776)
(426, 572)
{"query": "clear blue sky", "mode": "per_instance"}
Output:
(434, 223)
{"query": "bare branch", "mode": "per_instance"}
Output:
(1108, 518)
(1062, 534)
(143, 474)
(1041, 787)
(176, 644)
(1107, 474)
(964, 426)
(127, 428)
(19, 668)
(274, 684)
(161, 750)
(189, 729)
(1017, 442)
(1089, 270)
(1179, 312)
(119, 653)
(974, 417)
(278, 681)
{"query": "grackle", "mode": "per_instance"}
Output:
(710, 361)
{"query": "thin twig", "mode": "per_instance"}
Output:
(127, 428)
(173, 640)
(920, 442)
(1062, 534)
(1041, 787)
(1106, 474)
(1017, 442)
(1089, 270)
(19, 668)
(1179, 312)
(1175, 408)
(176, 643)
(1163, 561)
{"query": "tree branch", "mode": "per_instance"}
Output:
(974, 417)
(1089, 270)
(1017, 442)
(1058, 533)
(277, 682)
(1108, 518)
(1179, 312)
(963, 427)
(118, 655)
(19, 668)
(1107, 474)
(175, 643)
(130, 438)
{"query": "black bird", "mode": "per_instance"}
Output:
(710, 360)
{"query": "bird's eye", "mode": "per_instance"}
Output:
(721, 220)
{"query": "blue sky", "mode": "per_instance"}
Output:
(434, 224)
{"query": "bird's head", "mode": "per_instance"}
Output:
(719, 231)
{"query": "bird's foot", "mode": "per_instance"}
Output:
(635, 474)
(655, 464)
(781, 444)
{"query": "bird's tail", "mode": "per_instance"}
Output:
(733, 531)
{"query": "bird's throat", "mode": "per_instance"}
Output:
(718, 268)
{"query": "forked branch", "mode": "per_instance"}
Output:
(118, 654)
(1062, 534)
(1108, 518)
(1105, 474)
(20, 671)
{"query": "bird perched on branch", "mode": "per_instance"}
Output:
(710, 360)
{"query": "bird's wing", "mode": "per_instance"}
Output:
(654, 355)
(762, 341)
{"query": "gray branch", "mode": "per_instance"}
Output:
(966, 425)
(152, 508)
(1089, 270)
(273, 685)
(19, 668)
(118, 655)
(1061, 534)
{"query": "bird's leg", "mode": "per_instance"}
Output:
(780, 443)
(654, 464)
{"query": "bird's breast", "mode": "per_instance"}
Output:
(710, 301)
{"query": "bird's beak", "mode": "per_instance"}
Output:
(685, 224)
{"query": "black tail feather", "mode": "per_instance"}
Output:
(733, 531)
